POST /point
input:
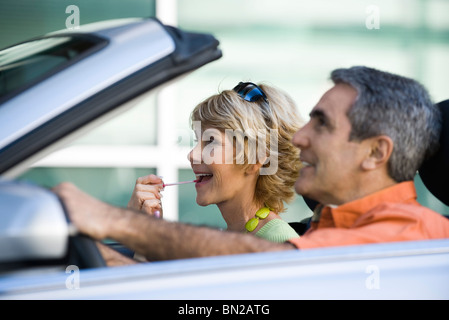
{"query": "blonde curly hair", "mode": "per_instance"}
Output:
(227, 110)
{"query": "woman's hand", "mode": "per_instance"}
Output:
(146, 195)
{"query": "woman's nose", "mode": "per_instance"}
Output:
(194, 156)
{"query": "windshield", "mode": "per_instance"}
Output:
(25, 64)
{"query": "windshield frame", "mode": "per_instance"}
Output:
(96, 43)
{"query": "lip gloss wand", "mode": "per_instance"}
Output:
(157, 213)
(177, 183)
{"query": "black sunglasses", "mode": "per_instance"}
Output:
(250, 92)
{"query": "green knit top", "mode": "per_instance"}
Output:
(277, 230)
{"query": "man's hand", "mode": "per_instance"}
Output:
(89, 215)
(155, 239)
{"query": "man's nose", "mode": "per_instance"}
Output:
(300, 138)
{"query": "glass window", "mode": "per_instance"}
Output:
(426, 198)
(22, 20)
(112, 185)
(137, 126)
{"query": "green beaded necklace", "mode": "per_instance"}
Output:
(262, 213)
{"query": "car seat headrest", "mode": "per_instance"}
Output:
(434, 172)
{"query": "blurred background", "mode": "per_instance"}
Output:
(291, 44)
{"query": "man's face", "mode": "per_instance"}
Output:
(331, 162)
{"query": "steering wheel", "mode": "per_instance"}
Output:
(83, 251)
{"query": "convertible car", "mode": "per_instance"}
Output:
(41, 257)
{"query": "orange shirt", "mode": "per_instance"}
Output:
(392, 214)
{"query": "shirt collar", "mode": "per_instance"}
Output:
(345, 215)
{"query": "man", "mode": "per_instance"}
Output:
(365, 140)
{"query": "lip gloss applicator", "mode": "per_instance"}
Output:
(176, 183)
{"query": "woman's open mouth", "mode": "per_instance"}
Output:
(203, 177)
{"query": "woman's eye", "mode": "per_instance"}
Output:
(210, 140)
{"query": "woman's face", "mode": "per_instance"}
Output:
(219, 179)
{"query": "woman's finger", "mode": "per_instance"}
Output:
(150, 207)
(149, 179)
(156, 189)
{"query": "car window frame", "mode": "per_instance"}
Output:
(100, 43)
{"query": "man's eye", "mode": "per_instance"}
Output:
(321, 121)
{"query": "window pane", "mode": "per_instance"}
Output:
(112, 185)
(23, 19)
(426, 198)
(137, 126)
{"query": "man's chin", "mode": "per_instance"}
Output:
(301, 188)
(305, 192)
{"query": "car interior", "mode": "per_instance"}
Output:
(433, 172)
(83, 252)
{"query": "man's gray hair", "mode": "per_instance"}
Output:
(396, 106)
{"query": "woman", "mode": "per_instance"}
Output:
(244, 160)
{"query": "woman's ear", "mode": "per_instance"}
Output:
(253, 168)
(379, 152)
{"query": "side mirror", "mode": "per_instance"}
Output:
(33, 225)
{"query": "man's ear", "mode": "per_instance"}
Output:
(379, 152)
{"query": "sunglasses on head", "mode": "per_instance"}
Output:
(250, 92)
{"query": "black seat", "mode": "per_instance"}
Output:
(435, 171)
